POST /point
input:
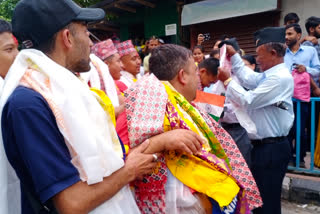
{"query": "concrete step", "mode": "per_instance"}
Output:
(303, 189)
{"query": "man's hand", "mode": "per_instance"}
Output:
(230, 51)
(301, 68)
(312, 39)
(223, 74)
(139, 164)
(200, 39)
(118, 110)
(316, 92)
(183, 140)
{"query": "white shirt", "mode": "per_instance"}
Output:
(265, 89)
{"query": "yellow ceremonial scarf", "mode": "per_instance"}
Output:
(195, 172)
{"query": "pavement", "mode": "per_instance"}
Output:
(302, 189)
(294, 208)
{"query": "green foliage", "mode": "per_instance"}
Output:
(86, 3)
(6, 8)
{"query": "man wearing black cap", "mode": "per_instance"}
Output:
(268, 103)
(56, 135)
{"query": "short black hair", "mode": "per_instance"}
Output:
(291, 16)
(198, 47)
(5, 27)
(280, 48)
(224, 37)
(167, 60)
(211, 64)
(48, 46)
(312, 22)
(214, 52)
(295, 26)
(250, 59)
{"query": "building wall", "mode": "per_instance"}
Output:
(304, 9)
(153, 20)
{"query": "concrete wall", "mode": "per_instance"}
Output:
(304, 9)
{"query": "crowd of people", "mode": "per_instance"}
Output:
(93, 128)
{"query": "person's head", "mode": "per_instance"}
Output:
(108, 53)
(221, 38)
(291, 18)
(208, 70)
(216, 45)
(8, 47)
(270, 47)
(215, 54)
(153, 43)
(58, 29)
(129, 57)
(175, 64)
(313, 26)
(270, 54)
(293, 34)
(198, 53)
(115, 65)
(250, 61)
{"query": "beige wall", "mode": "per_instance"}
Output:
(304, 9)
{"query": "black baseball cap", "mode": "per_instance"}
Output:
(36, 21)
(270, 34)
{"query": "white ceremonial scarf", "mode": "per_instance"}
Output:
(85, 124)
(10, 193)
(94, 79)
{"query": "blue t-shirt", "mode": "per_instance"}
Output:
(35, 147)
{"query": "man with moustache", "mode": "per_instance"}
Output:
(57, 137)
(303, 59)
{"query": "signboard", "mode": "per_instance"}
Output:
(171, 29)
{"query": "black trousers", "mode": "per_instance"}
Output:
(269, 165)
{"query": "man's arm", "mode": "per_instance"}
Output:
(263, 95)
(314, 67)
(82, 198)
(247, 77)
(179, 139)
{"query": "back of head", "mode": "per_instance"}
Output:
(5, 27)
(291, 18)
(250, 59)
(211, 65)
(312, 22)
(295, 26)
(167, 60)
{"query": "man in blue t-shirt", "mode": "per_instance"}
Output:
(34, 145)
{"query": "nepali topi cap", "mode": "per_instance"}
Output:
(125, 48)
(270, 34)
(104, 49)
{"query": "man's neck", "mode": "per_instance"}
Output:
(295, 47)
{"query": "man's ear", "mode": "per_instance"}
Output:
(311, 29)
(182, 77)
(66, 38)
(202, 70)
(299, 36)
(274, 53)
